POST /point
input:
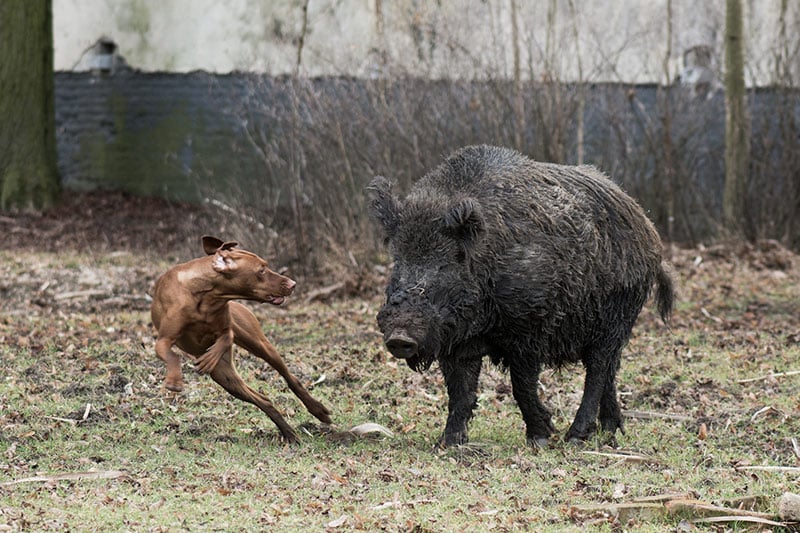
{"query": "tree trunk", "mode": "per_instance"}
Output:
(580, 127)
(737, 141)
(519, 102)
(670, 155)
(301, 41)
(28, 170)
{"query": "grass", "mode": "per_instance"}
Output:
(81, 392)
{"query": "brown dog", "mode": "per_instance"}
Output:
(192, 309)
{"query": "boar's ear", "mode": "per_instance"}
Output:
(464, 221)
(383, 205)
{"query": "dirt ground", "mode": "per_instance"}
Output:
(726, 371)
(107, 221)
(102, 223)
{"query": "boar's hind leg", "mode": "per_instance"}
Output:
(524, 386)
(610, 413)
(461, 378)
(599, 392)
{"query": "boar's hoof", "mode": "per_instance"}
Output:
(604, 438)
(401, 345)
(458, 438)
(579, 432)
(576, 441)
(538, 442)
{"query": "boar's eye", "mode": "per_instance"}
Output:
(460, 257)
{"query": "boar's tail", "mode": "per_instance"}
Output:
(665, 292)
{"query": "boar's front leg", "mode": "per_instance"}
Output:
(525, 387)
(461, 377)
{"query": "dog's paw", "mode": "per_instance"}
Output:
(320, 411)
(174, 385)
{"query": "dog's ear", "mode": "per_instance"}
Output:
(223, 262)
(212, 244)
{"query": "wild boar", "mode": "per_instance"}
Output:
(532, 264)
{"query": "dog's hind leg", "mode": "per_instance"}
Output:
(226, 375)
(174, 379)
(247, 334)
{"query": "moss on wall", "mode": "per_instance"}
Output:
(134, 16)
(140, 158)
(173, 135)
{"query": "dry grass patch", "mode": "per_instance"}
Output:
(89, 439)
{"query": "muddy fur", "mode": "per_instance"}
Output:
(529, 263)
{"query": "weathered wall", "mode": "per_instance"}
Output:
(165, 134)
(261, 141)
(607, 40)
(180, 135)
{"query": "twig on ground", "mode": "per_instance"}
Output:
(397, 503)
(72, 476)
(661, 498)
(697, 511)
(73, 421)
(704, 509)
(772, 375)
(627, 457)
(768, 468)
(60, 419)
(765, 411)
(651, 415)
(79, 294)
(735, 518)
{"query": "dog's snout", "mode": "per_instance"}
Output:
(289, 284)
(401, 345)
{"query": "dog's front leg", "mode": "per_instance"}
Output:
(208, 361)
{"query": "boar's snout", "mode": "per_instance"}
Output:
(401, 345)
